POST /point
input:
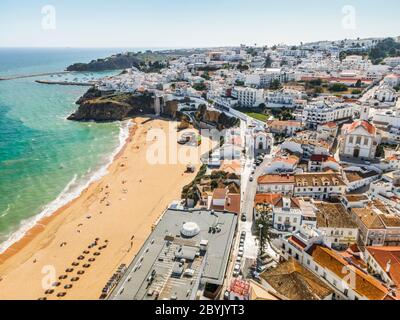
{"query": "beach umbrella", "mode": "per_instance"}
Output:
(75, 279)
(68, 286)
(80, 272)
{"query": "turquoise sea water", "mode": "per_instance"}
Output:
(45, 160)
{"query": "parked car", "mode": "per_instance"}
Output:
(243, 234)
(226, 295)
(243, 217)
(236, 270)
(251, 179)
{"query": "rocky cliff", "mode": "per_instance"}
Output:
(112, 107)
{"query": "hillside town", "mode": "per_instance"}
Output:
(300, 200)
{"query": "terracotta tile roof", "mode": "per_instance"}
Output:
(319, 157)
(220, 193)
(297, 242)
(293, 281)
(258, 292)
(270, 198)
(276, 179)
(318, 179)
(369, 218)
(376, 216)
(383, 255)
(329, 124)
(356, 197)
(365, 124)
(232, 204)
(353, 176)
(292, 159)
(294, 202)
(365, 285)
(390, 220)
(231, 167)
(287, 123)
(333, 215)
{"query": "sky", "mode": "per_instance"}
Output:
(191, 23)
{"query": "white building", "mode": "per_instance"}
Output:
(385, 93)
(392, 61)
(248, 97)
(322, 186)
(322, 112)
(284, 98)
(275, 183)
(263, 142)
(336, 223)
(360, 141)
(287, 214)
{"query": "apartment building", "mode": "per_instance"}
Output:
(321, 112)
(322, 186)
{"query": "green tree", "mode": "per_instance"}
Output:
(275, 84)
(268, 61)
(338, 87)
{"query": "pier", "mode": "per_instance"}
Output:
(33, 75)
(66, 83)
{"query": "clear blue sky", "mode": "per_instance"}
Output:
(189, 23)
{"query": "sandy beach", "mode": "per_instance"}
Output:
(88, 239)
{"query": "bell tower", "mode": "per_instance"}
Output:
(364, 113)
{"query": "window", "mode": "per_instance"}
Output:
(350, 139)
(366, 141)
(279, 219)
(308, 261)
(294, 220)
(358, 141)
(316, 268)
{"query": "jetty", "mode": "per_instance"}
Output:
(33, 75)
(67, 83)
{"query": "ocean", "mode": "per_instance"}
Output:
(46, 160)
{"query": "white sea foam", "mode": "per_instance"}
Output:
(5, 212)
(71, 191)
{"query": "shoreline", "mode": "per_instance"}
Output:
(125, 222)
(43, 221)
(40, 219)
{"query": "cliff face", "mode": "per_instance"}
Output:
(111, 63)
(112, 107)
(218, 119)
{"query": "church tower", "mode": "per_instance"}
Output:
(364, 113)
